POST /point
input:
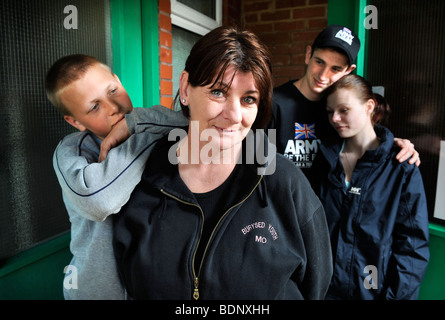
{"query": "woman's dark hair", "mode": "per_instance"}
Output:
(229, 46)
(364, 92)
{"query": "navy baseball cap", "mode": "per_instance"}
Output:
(341, 38)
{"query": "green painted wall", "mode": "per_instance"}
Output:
(433, 285)
(36, 274)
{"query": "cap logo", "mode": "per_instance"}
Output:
(345, 35)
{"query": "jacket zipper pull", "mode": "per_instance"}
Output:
(196, 291)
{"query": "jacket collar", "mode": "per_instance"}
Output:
(331, 150)
(164, 175)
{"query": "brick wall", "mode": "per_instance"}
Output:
(285, 26)
(232, 14)
(165, 54)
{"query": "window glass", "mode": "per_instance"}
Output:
(405, 56)
(33, 36)
(205, 7)
(191, 19)
(198, 16)
(183, 42)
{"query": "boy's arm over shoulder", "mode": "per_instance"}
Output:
(407, 151)
(154, 119)
(157, 120)
(100, 189)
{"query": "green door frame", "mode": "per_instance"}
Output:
(135, 43)
(351, 14)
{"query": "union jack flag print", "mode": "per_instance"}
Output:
(304, 131)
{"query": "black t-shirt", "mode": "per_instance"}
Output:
(213, 204)
(300, 125)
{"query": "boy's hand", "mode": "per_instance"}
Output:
(407, 150)
(117, 135)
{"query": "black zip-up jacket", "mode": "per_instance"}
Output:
(272, 242)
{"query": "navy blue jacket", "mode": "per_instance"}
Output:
(378, 227)
(272, 243)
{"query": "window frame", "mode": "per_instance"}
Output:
(192, 20)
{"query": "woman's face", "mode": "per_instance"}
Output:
(223, 115)
(347, 114)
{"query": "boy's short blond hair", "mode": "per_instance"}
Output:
(65, 71)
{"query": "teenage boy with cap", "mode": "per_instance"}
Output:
(299, 106)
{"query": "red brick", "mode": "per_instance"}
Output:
(307, 36)
(288, 71)
(166, 88)
(285, 26)
(281, 4)
(317, 23)
(272, 38)
(298, 47)
(315, 2)
(234, 12)
(166, 71)
(165, 55)
(253, 17)
(274, 16)
(164, 6)
(260, 28)
(282, 48)
(279, 81)
(257, 6)
(167, 102)
(165, 22)
(309, 12)
(231, 12)
(165, 39)
(298, 59)
(289, 26)
(280, 59)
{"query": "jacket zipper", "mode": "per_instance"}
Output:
(196, 276)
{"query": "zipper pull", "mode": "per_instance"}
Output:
(196, 291)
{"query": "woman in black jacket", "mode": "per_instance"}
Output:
(375, 206)
(216, 216)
